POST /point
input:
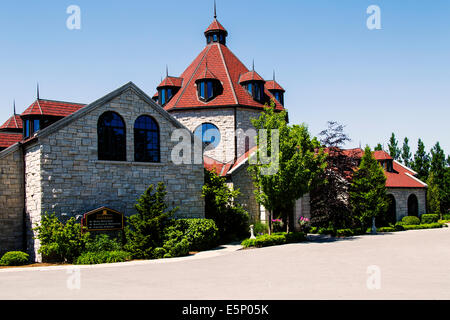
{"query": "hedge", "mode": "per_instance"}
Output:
(423, 226)
(429, 218)
(410, 220)
(103, 257)
(202, 234)
(273, 240)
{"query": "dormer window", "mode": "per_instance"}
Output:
(168, 89)
(275, 89)
(256, 90)
(208, 89)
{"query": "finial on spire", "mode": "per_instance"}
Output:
(37, 91)
(167, 70)
(274, 75)
(215, 10)
(253, 65)
(14, 104)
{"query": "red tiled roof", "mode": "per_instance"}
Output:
(250, 76)
(15, 122)
(402, 177)
(206, 74)
(8, 139)
(171, 82)
(224, 169)
(228, 69)
(214, 26)
(273, 85)
(52, 108)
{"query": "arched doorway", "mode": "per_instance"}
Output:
(413, 206)
(391, 213)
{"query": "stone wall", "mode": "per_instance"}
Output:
(11, 200)
(401, 196)
(223, 119)
(73, 181)
(243, 122)
(242, 180)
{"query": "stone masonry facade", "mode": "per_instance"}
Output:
(64, 176)
(11, 200)
(401, 196)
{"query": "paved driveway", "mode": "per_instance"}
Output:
(403, 265)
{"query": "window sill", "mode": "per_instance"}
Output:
(129, 163)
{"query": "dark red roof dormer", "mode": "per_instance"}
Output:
(13, 124)
(216, 33)
(168, 88)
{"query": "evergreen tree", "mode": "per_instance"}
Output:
(144, 229)
(379, 147)
(438, 168)
(421, 163)
(394, 150)
(433, 196)
(406, 153)
(368, 197)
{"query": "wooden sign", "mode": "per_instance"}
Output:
(103, 219)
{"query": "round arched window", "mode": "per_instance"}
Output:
(209, 134)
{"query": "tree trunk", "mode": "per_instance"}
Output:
(270, 222)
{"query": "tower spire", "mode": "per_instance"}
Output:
(14, 104)
(37, 91)
(215, 10)
(274, 75)
(167, 70)
(253, 65)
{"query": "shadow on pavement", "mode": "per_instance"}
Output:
(319, 238)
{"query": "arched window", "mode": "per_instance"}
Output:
(209, 134)
(413, 206)
(111, 137)
(146, 140)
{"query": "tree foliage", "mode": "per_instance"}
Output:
(329, 192)
(368, 197)
(144, 230)
(421, 162)
(394, 150)
(406, 153)
(300, 159)
(231, 219)
(334, 135)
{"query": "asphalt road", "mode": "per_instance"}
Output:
(402, 265)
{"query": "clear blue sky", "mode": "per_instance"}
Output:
(396, 79)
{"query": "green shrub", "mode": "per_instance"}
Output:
(103, 257)
(260, 228)
(60, 242)
(176, 248)
(313, 230)
(102, 243)
(423, 226)
(446, 216)
(386, 229)
(159, 253)
(399, 227)
(202, 234)
(327, 231)
(231, 219)
(14, 258)
(410, 220)
(294, 237)
(344, 232)
(429, 218)
(266, 240)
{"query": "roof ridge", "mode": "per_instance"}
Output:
(233, 90)
(192, 76)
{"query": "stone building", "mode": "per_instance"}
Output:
(407, 194)
(104, 154)
(216, 97)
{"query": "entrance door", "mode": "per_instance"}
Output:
(413, 206)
